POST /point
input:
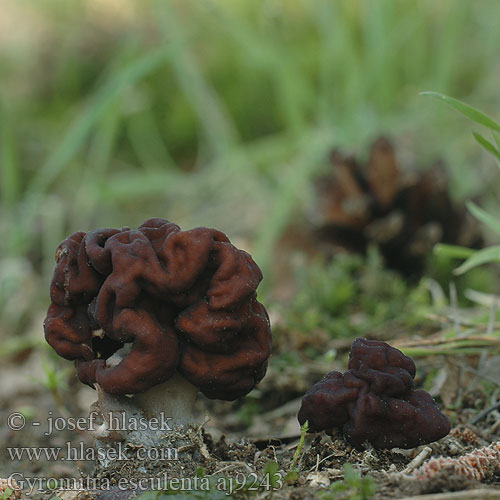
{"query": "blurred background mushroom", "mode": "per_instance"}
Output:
(403, 212)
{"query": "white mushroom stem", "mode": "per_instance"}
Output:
(144, 418)
(174, 398)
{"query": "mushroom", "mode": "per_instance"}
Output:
(374, 401)
(154, 315)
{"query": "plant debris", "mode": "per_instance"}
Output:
(404, 212)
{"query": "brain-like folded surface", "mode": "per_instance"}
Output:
(180, 300)
(374, 401)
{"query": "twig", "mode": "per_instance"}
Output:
(493, 428)
(478, 374)
(320, 462)
(418, 460)
(470, 344)
(485, 412)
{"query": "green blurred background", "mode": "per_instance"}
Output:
(218, 113)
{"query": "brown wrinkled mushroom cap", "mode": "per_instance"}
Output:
(185, 300)
(374, 401)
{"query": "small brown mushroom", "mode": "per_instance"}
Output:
(374, 401)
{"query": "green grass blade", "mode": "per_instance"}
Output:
(286, 198)
(136, 185)
(81, 127)
(490, 254)
(215, 120)
(497, 139)
(468, 111)
(453, 251)
(263, 50)
(102, 145)
(10, 181)
(483, 216)
(487, 145)
(147, 141)
(103, 142)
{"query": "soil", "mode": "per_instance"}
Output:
(237, 444)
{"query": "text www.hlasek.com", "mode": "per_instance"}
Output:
(79, 453)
